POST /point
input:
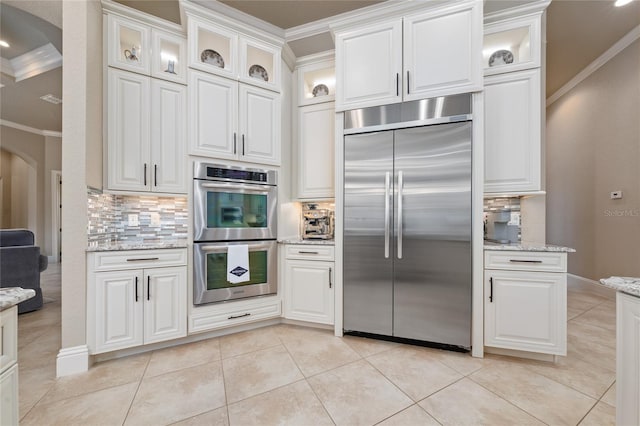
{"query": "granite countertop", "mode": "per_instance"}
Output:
(527, 247)
(138, 245)
(10, 296)
(629, 285)
(307, 242)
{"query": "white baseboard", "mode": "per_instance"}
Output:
(582, 283)
(72, 360)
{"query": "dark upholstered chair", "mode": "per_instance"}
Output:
(21, 264)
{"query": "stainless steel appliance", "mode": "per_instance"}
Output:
(407, 221)
(317, 224)
(234, 203)
(232, 206)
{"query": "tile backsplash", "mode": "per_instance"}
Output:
(113, 217)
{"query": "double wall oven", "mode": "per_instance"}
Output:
(233, 206)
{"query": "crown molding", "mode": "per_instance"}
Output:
(30, 129)
(328, 55)
(119, 9)
(529, 8)
(35, 62)
(601, 60)
(288, 57)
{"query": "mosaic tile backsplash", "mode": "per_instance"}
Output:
(113, 218)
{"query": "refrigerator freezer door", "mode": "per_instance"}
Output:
(368, 279)
(432, 278)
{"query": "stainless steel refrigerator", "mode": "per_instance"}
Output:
(407, 221)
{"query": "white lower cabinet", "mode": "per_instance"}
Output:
(308, 286)
(9, 397)
(526, 306)
(628, 359)
(135, 306)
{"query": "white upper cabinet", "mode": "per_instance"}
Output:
(442, 52)
(259, 63)
(316, 82)
(512, 114)
(231, 120)
(440, 55)
(129, 44)
(168, 61)
(512, 44)
(368, 66)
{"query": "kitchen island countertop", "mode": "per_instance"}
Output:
(10, 296)
(629, 285)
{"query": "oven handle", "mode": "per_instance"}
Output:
(223, 249)
(251, 188)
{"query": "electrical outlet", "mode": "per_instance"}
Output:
(133, 220)
(155, 219)
(616, 195)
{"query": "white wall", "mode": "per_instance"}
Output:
(593, 148)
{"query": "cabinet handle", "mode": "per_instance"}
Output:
(149, 287)
(524, 261)
(408, 87)
(155, 175)
(397, 84)
(307, 252)
(234, 142)
(239, 316)
(243, 144)
(330, 283)
(491, 289)
(136, 289)
(145, 174)
(142, 259)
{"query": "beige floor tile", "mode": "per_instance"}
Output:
(413, 415)
(294, 404)
(578, 374)
(610, 396)
(601, 316)
(463, 363)
(415, 370)
(318, 352)
(366, 347)
(593, 353)
(257, 372)
(543, 398)
(183, 356)
(248, 341)
(103, 407)
(100, 376)
(583, 301)
(572, 313)
(358, 394)
(217, 417)
(601, 415)
(44, 349)
(28, 335)
(591, 333)
(467, 403)
(34, 383)
(178, 395)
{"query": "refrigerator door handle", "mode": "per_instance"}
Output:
(387, 191)
(400, 187)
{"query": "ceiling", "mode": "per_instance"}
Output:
(578, 31)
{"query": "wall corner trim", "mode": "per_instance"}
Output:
(617, 47)
(72, 360)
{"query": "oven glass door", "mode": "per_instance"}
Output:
(228, 211)
(210, 278)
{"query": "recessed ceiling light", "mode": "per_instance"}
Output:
(620, 3)
(51, 99)
(4, 43)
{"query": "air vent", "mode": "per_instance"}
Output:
(51, 99)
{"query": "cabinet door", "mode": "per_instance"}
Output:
(213, 107)
(368, 66)
(259, 125)
(168, 137)
(628, 352)
(165, 310)
(309, 291)
(128, 45)
(9, 397)
(128, 131)
(118, 310)
(442, 52)
(526, 311)
(512, 123)
(169, 60)
(259, 63)
(316, 151)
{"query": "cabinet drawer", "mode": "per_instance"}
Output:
(311, 252)
(526, 261)
(137, 259)
(8, 337)
(231, 317)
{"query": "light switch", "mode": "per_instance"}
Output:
(133, 220)
(155, 219)
(616, 195)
